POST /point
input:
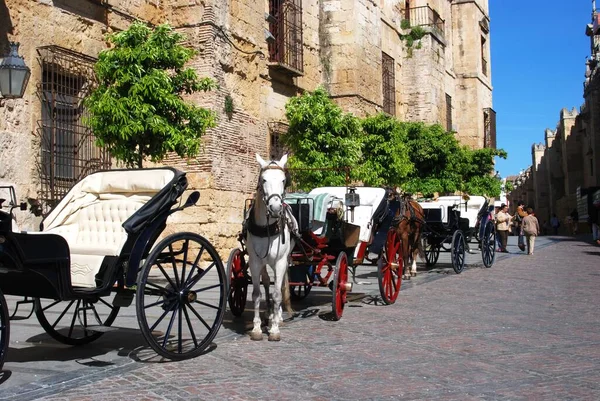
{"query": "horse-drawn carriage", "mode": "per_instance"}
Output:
(444, 230)
(329, 224)
(101, 240)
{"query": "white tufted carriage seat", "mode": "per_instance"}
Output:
(91, 216)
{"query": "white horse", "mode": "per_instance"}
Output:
(269, 242)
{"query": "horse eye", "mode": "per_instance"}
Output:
(264, 181)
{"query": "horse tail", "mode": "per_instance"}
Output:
(285, 292)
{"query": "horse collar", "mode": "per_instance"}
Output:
(262, 231)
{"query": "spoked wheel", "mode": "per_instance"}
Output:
(74, 322)
(458, 251)
(299, 292)
(432, 253)
(238, 282)
(181, 296)
(390, 266)
(4, 330)
(341, 286)
(488, 245)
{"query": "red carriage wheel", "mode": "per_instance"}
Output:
(341, 286)
(238, 282)
(390, 268)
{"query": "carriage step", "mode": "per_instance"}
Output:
(102, 329)
(123, 299)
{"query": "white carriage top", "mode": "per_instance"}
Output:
(321, 199)
(474, 204)
(92, 215)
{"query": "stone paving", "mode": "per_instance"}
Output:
(525, 329)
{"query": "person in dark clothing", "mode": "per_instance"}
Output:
(574, 221)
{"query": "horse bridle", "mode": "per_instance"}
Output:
(266, 199)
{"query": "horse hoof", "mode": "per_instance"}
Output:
(274, 337)
(413, 274)
(256, 336)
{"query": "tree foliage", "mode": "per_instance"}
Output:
(137, 110)
(385, 150)
(320, 135)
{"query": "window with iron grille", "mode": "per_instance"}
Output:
(448, 112)
(389, 84)
(276, 148)
(489, 125)
(285, 26)
(68, 151)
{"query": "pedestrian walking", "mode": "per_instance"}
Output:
(518, 223)
(531, 228)
(555, 223)
(502, 226)
(574, 221)
(595, 221)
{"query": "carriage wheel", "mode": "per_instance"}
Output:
(488, 245)
(299, 292)
(340, 286)
(390, 267)
(74, 321)
(238, 282)
(4, 330)
(181, 296)
(432, 253)
(458, 251)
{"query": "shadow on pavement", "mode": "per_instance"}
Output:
(4, 375)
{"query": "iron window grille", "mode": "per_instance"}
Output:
(448, 113)
(489, 126)
(68, 152)
(276, 148)
(389, 84)
(285, 27)
(484, 63)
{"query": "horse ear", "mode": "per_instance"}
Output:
(283, 161)
(260, 161)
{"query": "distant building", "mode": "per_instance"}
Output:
(566, 166)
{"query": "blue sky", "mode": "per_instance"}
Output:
(538, 53)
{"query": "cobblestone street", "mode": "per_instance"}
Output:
(525, 329)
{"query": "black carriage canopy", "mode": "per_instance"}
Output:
(160, 202)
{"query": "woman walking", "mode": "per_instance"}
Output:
(531, 228)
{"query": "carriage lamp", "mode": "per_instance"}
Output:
(352, 200)
(14, 74)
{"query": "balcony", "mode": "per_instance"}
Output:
(285, 36)
(426, 16)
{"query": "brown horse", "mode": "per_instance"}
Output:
(410, 219)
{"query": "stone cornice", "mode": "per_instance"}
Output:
(475, 76)
(458, 2)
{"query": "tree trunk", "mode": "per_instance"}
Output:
(140, 160)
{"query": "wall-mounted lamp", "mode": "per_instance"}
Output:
(14, 74)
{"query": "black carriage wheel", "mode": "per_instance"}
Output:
(488, 245)
(238, 282)
(340, 286)
(299, 292)
(4, 330)
(181, 296)
(72, 322)
(432, 253)
(390, 268)
(458, 251)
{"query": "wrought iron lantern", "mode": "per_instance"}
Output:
(14, 74)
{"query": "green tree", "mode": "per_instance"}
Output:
(321, 136)
(436, 155)
(477, 169)
(137, 110)
(384, 145)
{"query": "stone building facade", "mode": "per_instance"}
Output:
(565, 167)
(261, 53)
